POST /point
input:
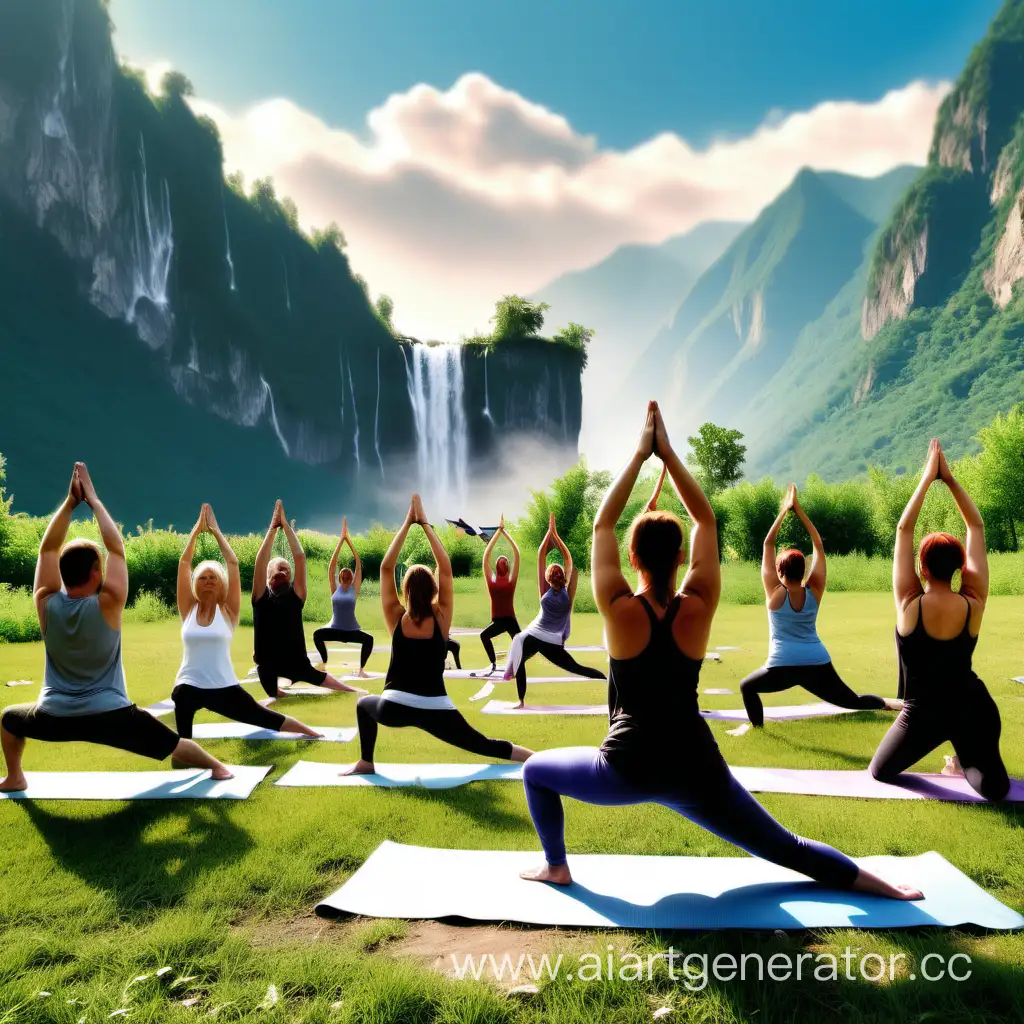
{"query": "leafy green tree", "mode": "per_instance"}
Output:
(290, 212)
(1001, 466)
(177, 85)
(718, 456)
(575, 336)
(361, 281)
(330, 235)
(516, 317)
(236, 182)
(385, 309)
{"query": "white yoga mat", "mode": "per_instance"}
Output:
(166, 706)
(728, 648)
(587, 647)
(178, 784)
(390, 776)
(302, 690)
(820, 782)
(22, 682)
(717, 691)
(784, 713)
(621, 891)
(240, 731)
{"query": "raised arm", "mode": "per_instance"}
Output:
(390, 602)
(491, 545)
(186, 599)
(259, 569)
(445, 580)
(974, 578)
(652, 505)
(542, 556)
(47, 577)
(606, 577)
(114, 594)
(769, 576)
(233, 601)
(298, 557)
(513, 573)
(818, 575)
(332, 566)
(704, 578)
(906, 584)
(563, 550)
(357, 570)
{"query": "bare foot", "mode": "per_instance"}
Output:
(520, 706)
(952, 766)
(221, 773)
(739, 730)
(361, 767)
(556, 874)
(893, 705)
(14, 784)
(362, 674)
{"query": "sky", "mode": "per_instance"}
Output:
(469, 149)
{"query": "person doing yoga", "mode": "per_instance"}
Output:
(550, 629)
(279, 640)
(796, 657)
(84, 697)
(414, 693)
(936, 634)
(345, 586)
(209, 598)
(501, 588)
(656, 639)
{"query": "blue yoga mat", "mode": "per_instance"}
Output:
(622, 891)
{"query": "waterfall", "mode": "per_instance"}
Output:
(273, 415)
(355, 415)
(436, 390)
(341, 371)
(288, 294)
(227, 242)
(376, 421)
(487, 394)
(152, 243)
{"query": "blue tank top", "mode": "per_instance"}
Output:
(83, 674)
(343, 605)
(793, 635)
(554, 611)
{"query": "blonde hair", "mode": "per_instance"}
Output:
(221, 573)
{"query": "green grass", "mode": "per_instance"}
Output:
(94, 895)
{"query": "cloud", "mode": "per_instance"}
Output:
(457, 197)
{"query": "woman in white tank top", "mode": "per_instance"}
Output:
(209, 598)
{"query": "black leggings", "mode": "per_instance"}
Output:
(230, 701)
(557, 655)
(971, 725)
(821, 680)
(503, 624)
(456, 650)
(344, 636)
(447, 725)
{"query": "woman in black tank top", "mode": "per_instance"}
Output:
(414, 692)
(944, 700)
(656, 641)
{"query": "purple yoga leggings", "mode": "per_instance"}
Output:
(726, 809)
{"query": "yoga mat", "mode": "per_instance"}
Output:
(390, 776)
(488, 688)
(620, 891)
(190, 783)
(778, 714)
(711, 656)
(301, 690)
(464, 631)
(587, 647)
(22, 682)
(818, 782)
(728, 648)
(241, 731)
(717, 691)
(166, 706)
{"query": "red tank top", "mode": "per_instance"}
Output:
(502, 593)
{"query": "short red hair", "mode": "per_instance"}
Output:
(942, 555)
(791, 564)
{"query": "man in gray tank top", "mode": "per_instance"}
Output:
(84, 697)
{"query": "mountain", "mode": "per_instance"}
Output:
(258, 365)
(938, 342)
(739, 325)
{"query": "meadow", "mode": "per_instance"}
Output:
(94, 895)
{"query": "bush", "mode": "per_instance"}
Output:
(751, 509)
(18, 620)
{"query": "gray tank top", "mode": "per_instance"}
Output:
(343, 607)
(83, 659)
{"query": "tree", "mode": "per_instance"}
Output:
(176, 84)
(385, 309)
(1001, 466)
(516, 317)
(236, 182)
(330, 235)
(718, 455)
(575, 336)
(361, 281)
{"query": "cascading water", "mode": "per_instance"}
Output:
(227, 243)
(376, 421)
(487, 394)
(273, 415)
(436, 391)
(152, 244)
(355, 416)
(287, 290)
